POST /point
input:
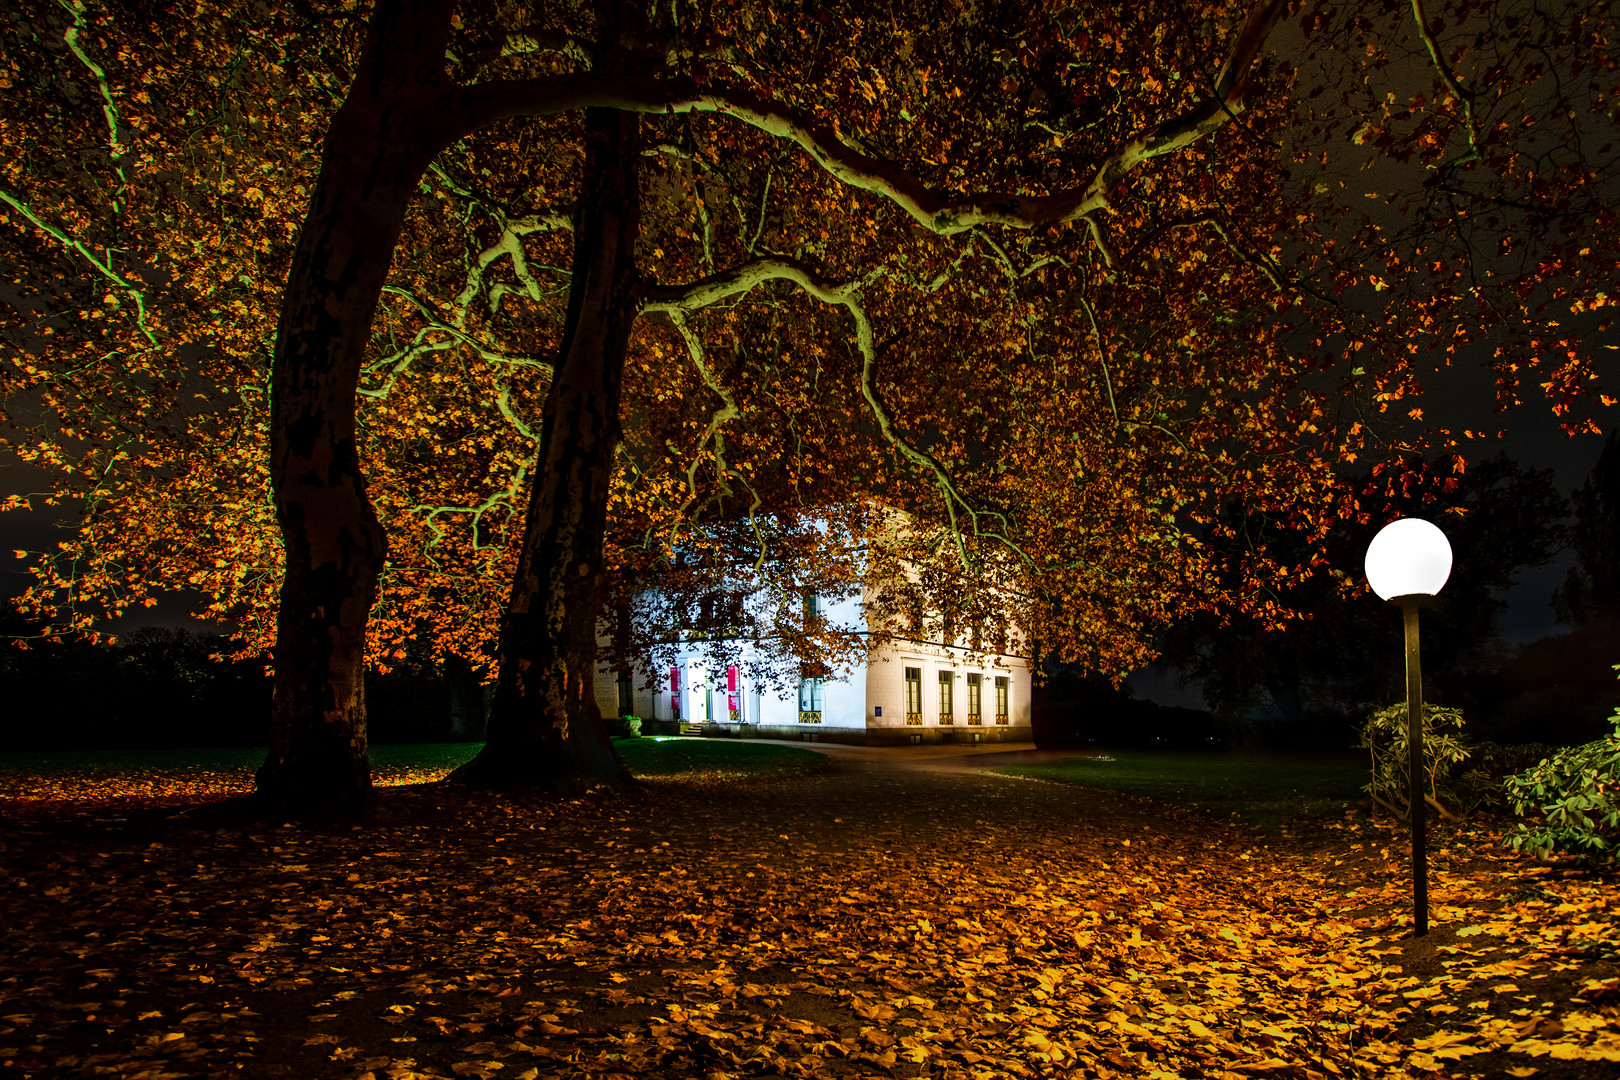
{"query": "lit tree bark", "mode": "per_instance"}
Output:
(379, 143)
(545, 729)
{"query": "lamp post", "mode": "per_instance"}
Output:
(1407, 563)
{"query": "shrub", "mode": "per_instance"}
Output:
(1385, 737)
(1577, 793)
(1489, 766)
(630, 727)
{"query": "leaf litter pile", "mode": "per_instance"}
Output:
(868, 921)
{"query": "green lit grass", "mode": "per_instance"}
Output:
(728, 759)
(1267, 791)
(415, 762)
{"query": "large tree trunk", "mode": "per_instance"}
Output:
(379, 143)
(545, 730)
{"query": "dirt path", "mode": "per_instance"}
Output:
(887, 918)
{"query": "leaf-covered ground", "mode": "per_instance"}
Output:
(75, 779)
(863, 921)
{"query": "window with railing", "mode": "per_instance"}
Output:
(627, 695)
(913, 695)
(947, 706)
(975, 687)
(1002, 693)
(809, 701)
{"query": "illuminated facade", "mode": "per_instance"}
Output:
(903, 691)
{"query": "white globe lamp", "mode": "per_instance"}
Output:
(1409, 557)
(1407, 563)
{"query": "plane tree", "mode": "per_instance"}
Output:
(1054, 285)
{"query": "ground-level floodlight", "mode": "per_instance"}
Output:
(1407, 563)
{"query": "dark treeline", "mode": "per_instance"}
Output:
(1314, 682)
(1309, 685)
(159, 687)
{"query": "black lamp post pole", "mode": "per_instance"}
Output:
(1414, 757)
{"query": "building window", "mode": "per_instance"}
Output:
(947, 704)
(812, 609)
(627, 695)
(810, 701)
(913, 695)
(1001, 699)
(975, 684)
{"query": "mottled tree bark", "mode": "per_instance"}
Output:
(378, 146)
(545, 730)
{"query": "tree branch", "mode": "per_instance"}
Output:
(679, 299)
(78, 247)
(474, 107)
(117, 148)
(1421, 17)
(510, 243)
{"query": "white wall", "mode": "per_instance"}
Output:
(850, 698)
(886, 689)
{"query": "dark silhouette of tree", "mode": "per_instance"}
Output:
(1591, 591)
(1342, 657)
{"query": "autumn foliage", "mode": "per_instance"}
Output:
(1059, 284)
(863, 923)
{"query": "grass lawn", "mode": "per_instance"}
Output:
(729, 759)
(222, 771)
(1265, 790)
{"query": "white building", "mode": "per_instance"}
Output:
(904, 691)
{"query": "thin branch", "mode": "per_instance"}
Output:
(503, 402)
(489, 353)
(1421, 17)
(496, 498)
(1099, 239)
(475, 107)
(727, 411)
(741, 279)
(117, 149)
(764, 201)
(1102, 355)
(78, 247)
(1259, 262)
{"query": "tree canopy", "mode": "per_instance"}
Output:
(1059, 284)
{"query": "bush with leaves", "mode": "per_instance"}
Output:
(1576, 791)
(1385, 737)
(1481, 785)
(630, 727)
